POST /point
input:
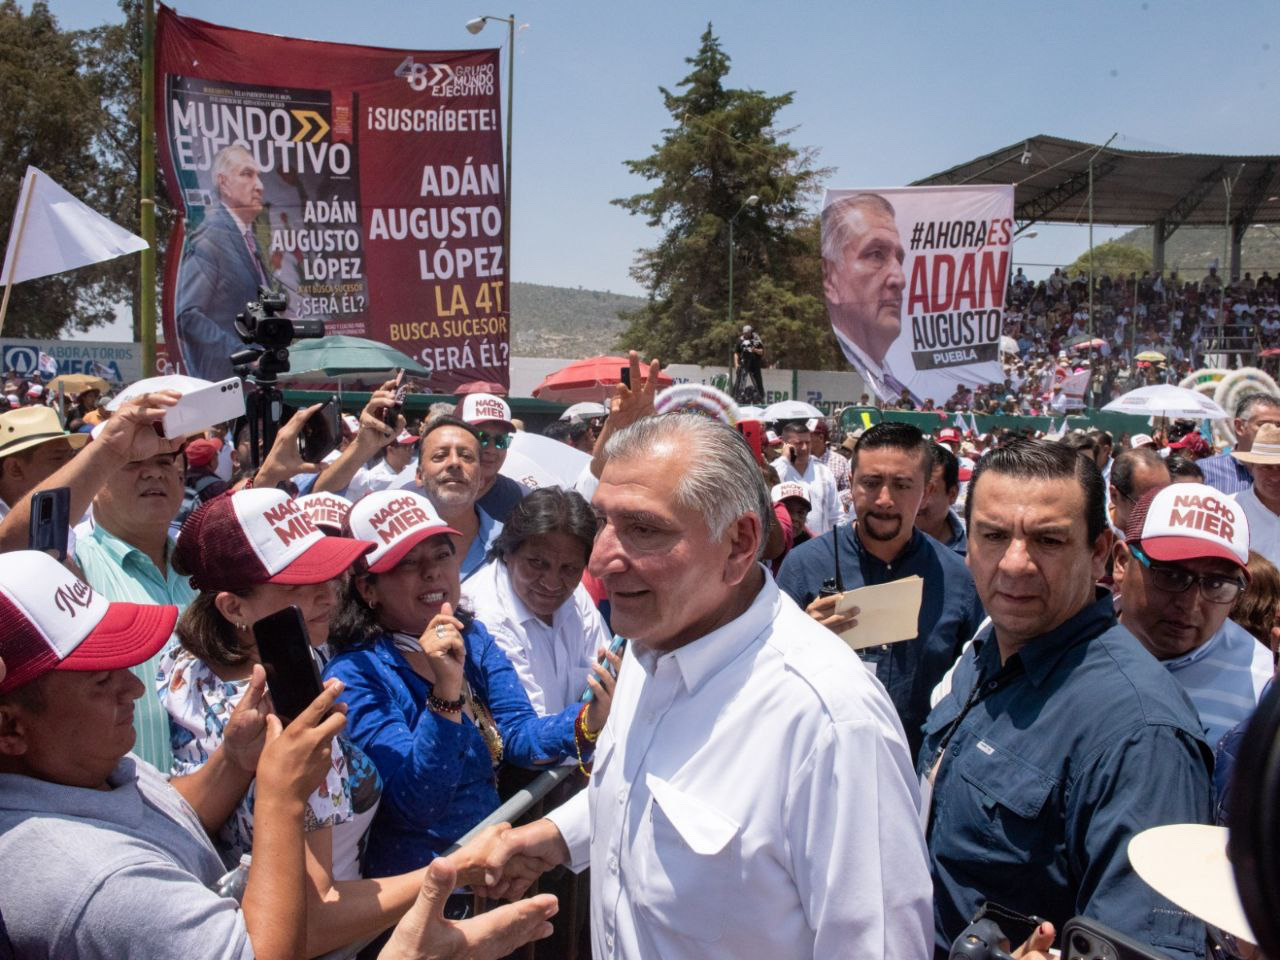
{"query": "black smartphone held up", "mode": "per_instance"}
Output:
(321, 433)
(391, 414)
(293, 679)
(626, 376)
(50, 519)
(1085, 939)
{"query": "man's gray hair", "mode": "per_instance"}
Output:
(837, 232)
(721, 481)
(225, 159)
(1251, 403)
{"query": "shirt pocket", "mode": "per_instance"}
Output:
(690, 863)
(1013, 810)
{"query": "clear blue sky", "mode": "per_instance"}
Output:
(887, 92)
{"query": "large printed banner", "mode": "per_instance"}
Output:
(914, 280)
(366, 183)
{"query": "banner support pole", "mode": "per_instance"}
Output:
(29, 188)
(147, 188)
(511, 95)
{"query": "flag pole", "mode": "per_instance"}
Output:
(28, 187)
(147, 185)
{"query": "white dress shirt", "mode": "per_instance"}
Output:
(380, 477)
(552, 661)
(824, 498)
(1264, 526)
(752, 796)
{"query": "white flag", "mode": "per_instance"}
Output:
(59, 233)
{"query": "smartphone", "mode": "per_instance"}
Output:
(626, 376)
(321, 433)
(616, 647)
(50, 518)
(1086, 939)
(293, 680)
(219, 402)
(391, 413)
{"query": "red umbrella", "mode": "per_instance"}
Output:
(481, 386)
(590, 379)
(1270, 352)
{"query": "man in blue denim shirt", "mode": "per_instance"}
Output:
(891, 469)
(1061, 737)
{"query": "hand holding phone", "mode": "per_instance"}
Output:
(50, 522)
(219, 402)
(615, 647)
(391, 415)
(321, 433)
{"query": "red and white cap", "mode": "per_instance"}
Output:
(51, 620)
(406, 439)
(484, 408)
(328, 511)
(249, 537)
(1187, 521)
(396, 521)
(789, 489)
(949, 435)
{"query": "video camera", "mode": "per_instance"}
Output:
(267, 335)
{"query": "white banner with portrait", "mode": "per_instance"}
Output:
(914, 279)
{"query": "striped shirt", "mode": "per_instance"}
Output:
(1224, 677)
(123, 573)
(1225, 473)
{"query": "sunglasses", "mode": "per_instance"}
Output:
(1215, 588)
(500, 441)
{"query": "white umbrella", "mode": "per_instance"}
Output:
(1166, 400)
(791, 410)
(751, 413)
(538, 461)
(586, 409)
(1009, 345)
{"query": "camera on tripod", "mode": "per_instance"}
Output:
(268, 334)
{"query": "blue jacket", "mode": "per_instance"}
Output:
(437, 775)
(950, 611)
(1081, 740)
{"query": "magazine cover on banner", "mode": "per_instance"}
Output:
(914, 279)
(365, 183)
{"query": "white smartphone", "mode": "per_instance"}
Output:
(217, 403)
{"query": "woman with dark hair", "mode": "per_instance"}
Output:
(531, 598)
(430, 696)
(250, 554)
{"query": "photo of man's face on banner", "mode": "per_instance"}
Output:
(914, 279)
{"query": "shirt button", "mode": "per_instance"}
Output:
(608, 941)
(622, 796)
(613, 864)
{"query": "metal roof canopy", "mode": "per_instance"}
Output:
(1130, 187)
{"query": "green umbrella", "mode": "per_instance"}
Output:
(345, 360)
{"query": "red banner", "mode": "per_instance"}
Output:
(364, 182)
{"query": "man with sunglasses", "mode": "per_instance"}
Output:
(1183, 563)
(490, 418)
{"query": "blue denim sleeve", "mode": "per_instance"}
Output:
(1158, 775)
(418, 757)
(528, 740)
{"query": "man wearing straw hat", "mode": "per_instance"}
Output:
(1261, 502)
(33, 446)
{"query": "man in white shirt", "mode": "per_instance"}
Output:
(796, 463)
(752, 794)
(397, 468)
(1261, 502)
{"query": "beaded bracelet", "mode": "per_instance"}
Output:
(445, 706)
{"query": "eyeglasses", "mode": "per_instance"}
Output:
(500, 441)
(1215, 588)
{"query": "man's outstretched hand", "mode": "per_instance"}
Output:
(425, 934)
(517, 857)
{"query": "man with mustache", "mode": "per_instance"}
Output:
(862, 282)
(891, 470)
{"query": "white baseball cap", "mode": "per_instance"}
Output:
(395, 521)
(406, 439)
(484, 408)
(328, 511)
(788, 489)
(54, 621)
(1187, 521)
(1140, 440)
(254, 536)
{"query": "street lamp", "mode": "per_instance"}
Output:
(475, 26)
(751, 201)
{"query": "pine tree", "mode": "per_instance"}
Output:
(724, 147)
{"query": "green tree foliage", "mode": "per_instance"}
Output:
(70, 107)
(723, 148)
(1112, 258)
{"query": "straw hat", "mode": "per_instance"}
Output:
(29, 427)
(1265, 449)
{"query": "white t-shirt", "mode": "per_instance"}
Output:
(1264, 526)
(824, 497)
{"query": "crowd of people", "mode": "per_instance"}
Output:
(757, 769)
